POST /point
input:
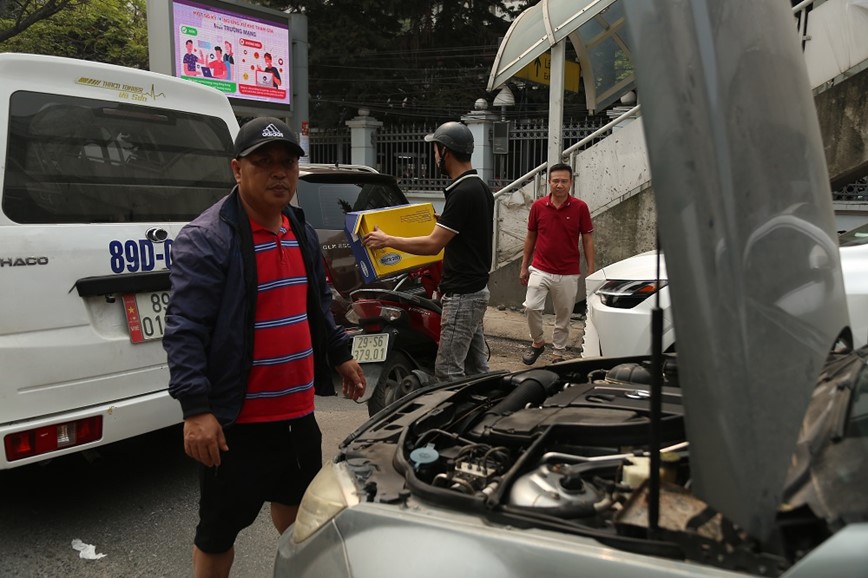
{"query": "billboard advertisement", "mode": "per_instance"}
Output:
(245, 56)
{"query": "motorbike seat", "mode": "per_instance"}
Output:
(430, 305)
(402, 297)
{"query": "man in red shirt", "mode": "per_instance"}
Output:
(554, 227)
(249, 339)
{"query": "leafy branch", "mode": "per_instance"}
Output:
(16, 16)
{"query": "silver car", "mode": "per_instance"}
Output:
(744, 453)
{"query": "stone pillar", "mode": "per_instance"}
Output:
(481, 125)
(362, 130)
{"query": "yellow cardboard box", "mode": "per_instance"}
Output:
(403, 221)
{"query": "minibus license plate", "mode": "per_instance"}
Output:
(370, 348)
(146, 315)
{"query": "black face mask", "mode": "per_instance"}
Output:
(441, 166)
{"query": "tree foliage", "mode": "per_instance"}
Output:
(16, 16)
(113, 31)
(405, 60)
(402, 59)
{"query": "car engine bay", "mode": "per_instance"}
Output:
(566, 449)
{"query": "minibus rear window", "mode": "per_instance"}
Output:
(77, 160)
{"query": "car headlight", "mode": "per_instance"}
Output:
(328, 494)
(628, 294)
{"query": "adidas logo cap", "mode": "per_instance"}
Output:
(264, 130)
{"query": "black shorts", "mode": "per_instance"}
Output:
(267, 462)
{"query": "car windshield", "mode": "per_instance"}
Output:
(325, 202)
(854, 237)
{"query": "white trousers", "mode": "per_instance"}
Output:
(563, 289)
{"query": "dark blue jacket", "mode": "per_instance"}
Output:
(209, 322)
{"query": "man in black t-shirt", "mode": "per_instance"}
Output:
(464, 230)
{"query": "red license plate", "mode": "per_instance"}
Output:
(146, 315)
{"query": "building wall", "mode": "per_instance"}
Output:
(843, 114)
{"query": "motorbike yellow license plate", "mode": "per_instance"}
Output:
(371, 348)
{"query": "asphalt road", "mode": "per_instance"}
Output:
(136, 502)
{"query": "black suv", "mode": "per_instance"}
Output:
(326, 193)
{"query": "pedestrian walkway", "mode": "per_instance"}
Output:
(508, 323)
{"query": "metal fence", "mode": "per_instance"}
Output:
(527, 147)
(402, 151)
(329, 146)
(856, 191)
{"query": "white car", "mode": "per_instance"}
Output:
(620, 298)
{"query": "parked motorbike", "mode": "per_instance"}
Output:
(399, 335)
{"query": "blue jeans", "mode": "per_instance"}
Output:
(462, 343)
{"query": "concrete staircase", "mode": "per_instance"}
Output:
(613, 177)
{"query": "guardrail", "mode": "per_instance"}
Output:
(801, 10)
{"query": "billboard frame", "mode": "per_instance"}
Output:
(163, 52)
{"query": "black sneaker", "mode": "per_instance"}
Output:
(532, 354)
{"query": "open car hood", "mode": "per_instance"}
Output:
(746, 223)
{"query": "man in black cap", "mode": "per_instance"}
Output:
(249, 338)
(464, 229)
